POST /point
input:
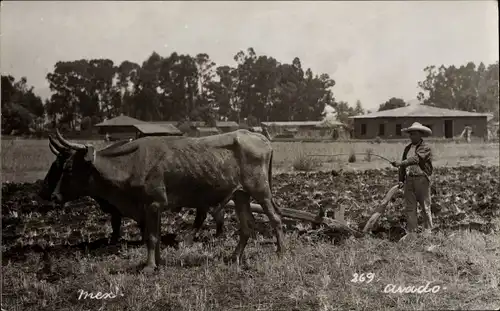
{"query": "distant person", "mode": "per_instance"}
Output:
(415, 170)
(107, 138)
(468, 133)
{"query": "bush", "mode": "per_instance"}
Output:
(352, 156)
(378, 140)
(305, 163)
(368, 155)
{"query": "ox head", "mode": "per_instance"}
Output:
(74, 173)
(54, 174)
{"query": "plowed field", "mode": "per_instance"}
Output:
(463, 198)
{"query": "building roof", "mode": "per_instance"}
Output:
(419, 111)
(148, 128)
(291, 123)
(120, 121)
(199, 123)
(174, 123)
(207, 129)
(226, 124)
(193, 123)
(330, 123)
(323, 123)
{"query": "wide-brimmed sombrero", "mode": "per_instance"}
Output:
(418, 127)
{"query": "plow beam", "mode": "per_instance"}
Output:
(338, 222)
(288, 213)
(319, 219)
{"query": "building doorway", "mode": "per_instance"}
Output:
(448, 128)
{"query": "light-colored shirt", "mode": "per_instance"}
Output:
(413, 169)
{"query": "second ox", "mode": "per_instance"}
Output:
(151, 174)
(63, 153)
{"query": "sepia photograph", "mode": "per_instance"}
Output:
(250, 155)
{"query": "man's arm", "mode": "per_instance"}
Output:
(423, 153)
(402, 170)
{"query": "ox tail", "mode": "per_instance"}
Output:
(270, 177)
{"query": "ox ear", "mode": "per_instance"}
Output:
(90, 154)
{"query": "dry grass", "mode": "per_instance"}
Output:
(305, 163)
(28, 160)
(309, 277)
(445, 154)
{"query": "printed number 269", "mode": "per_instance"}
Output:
(361, 278)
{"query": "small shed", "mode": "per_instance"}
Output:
(157, 130)
(120, 127)
(305, 129)
(335, 129)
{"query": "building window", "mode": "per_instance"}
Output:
(398, 129)
(381, 130)
(363, 129)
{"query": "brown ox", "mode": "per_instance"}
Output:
(54, 174)
(146, 176)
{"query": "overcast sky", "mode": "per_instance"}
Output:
(373, 50)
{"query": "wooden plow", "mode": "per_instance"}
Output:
(338, 222)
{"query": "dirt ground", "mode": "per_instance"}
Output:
(50, 253)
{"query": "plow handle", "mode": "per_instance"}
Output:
(380, 209)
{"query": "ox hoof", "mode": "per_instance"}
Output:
(148, 269)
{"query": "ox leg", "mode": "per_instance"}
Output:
(218, 215)
(246, 219)
(275, 219)
(116, 219)
(116, 223)
(264, 198)
(142, 227)
(152, 233)
(201, 215)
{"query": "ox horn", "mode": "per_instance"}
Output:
(57, 146)
(54, 151)
(69, 144)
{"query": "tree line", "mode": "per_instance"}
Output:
(22, 110)
(182, 88)
(468, 87)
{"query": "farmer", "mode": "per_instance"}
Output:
(414, 172)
